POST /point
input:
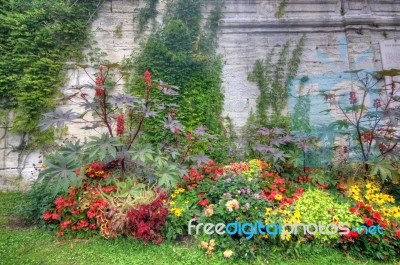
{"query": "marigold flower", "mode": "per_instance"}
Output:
(231, 205)
(209, 211)
(278, 197)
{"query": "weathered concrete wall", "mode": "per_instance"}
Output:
(341, 35)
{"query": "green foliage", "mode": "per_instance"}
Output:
(182, 53)
(325, 210)
(147, 13)
(301, 113)
(36, 38)
(36, 201)
(281, 9)
(273, 81)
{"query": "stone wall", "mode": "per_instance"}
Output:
(341, 35)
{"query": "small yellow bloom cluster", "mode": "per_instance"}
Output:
(176, 211)
(373, 195)
(177, 192)
(284, 216)
(355, 193)
(209, 247)
(228, 253)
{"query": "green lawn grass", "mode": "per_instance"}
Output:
(19, 245)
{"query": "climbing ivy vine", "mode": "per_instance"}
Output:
(273, 79)
(182, 52)
(37, 37)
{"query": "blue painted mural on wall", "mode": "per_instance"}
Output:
(337, 80)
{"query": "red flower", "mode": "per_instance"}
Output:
(368, 221)
(120, 124)
(75, 211)
(108, 189)
(77, 171)
(99, 92)
(92, 226)
(55, 216)
(203, 202)
(368, 208)
(147, 78)
(394, 224)
(60, 233)
(360, 204)
(158, 240)
(83, 223)
(354, 234)
(279, 180)
(398, 233)
(377, 216)
(91, 213)
(200, 194)
(189, 136)
(59, 202)
(72, 191)
(353, 210)
(65, 224)
(47, 216)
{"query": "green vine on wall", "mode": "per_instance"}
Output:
(281, 9)
(274, 80)
(36, 39)
(146, 13)
(183, 53)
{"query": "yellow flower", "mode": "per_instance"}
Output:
(278, 197)
(228, 253)
(173, 195)
(172, 202)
